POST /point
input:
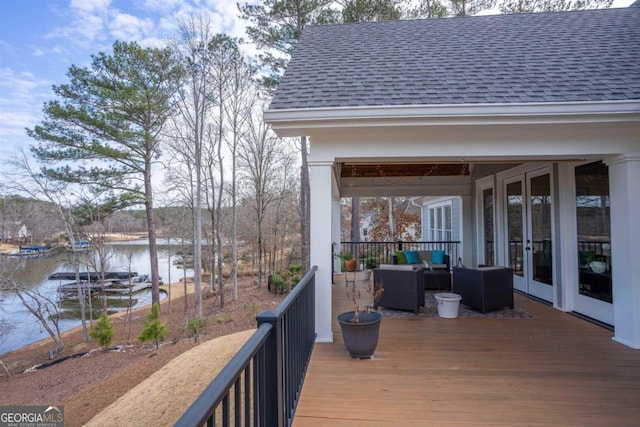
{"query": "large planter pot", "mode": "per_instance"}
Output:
(361, 338)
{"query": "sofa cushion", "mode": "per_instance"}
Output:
(437, 257)
(411, 257)
(406, 267)
(400, 258)
(424, 256)
(437, 266)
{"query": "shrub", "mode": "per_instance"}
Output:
(103, 331)
(153, 328)
(195, 325)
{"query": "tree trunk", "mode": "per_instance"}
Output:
(234, 229)
(392, 225)
(42, 317)
(355, 226)
(305, 205)
(151, 229)
(197, 231)
(4, 368)
(219, 204)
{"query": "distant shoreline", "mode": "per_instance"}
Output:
(109, 237)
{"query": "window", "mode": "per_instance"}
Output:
(440, 222)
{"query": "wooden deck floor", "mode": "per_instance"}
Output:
(553, 370)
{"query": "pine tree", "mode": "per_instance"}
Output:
(529, 6)
(105, 127)
(153, 328)
(103, 331)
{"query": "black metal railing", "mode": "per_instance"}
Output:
(597, 249)
(261, 384)
(382, 252)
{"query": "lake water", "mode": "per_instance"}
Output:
(33, 274)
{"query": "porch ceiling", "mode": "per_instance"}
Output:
(382, 170)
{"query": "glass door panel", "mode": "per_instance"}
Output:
(529, 208)
(593, 222)
(487, 217)
(540, 202)
(514, 227)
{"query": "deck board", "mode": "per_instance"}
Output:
(554, 369)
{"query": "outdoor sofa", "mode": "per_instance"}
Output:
(437, 267)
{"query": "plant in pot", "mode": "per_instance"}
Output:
(370, 262)
(348, 262)
(360, 327)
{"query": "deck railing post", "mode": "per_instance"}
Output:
(274, 393)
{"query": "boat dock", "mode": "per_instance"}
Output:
(114, 285)
(92, 276)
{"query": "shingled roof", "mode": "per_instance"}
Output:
(541, 57)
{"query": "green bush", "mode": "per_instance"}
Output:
(195, 325)
(103, 331)
(153, 328)
(283, 280)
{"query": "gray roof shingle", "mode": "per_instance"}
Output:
(541, 57)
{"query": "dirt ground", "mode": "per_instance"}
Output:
(86, 385)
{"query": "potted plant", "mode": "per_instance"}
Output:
(348, 262)
(360, 327)
(370, 262)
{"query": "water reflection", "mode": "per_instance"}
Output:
(33, 275)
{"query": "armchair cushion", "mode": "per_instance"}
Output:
(400, 258)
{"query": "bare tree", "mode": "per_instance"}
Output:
(196, 101)
(31, 181)
(258, 155)
(41, 306)
(242, 97)
(392, 225)
(4, 328)
(355, 225)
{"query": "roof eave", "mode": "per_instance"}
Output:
(304, 121)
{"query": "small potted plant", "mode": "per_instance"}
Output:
(360, 327)
(370, 262)
(348, 262)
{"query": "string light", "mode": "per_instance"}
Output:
(395, 180)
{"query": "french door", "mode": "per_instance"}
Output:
(529, 232)
(594, 293)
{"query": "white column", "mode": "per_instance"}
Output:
(624, 181)
(335, 231)
(321, 232)
(466, 249)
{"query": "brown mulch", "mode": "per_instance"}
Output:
(86, 385)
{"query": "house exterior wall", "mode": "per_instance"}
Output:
(624, 173)
(557, 140)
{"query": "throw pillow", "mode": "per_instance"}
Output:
(437, 257)
(400, 258)
(412, 257)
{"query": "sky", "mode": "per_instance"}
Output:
(41, 39)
